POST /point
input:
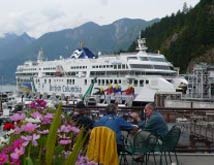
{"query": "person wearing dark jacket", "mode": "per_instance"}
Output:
(81, 118)
(154, 123)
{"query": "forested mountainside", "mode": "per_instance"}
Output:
(186, 37)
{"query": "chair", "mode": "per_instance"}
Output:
(142, 145)
(169, 143)
(102, 147)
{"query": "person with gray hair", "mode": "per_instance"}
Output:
(154, 123)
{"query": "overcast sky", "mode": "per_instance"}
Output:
(37, 17)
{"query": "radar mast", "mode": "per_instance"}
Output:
(141, 44)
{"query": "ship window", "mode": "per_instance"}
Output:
(147, 81)
(103, 82)
(132, 58)
(139, 66)
(73, 81)
(85, 81)
(162, 67)
(123, 66)
(100, 66)
(144, 58)
(141, 83)
(119, 66)
(115, 66)
(119, 81)
(111, 81)
(135, 82)
(115, 81)
(45, 81)
(157, 59)
(99, 82)
(107, 82)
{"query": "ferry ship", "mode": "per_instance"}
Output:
(120, 77)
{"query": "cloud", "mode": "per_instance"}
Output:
(104, 2)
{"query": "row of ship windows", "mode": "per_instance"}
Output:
(154, 59)
(143, 66)
(99, 81)
(118, 66)
(26, 69)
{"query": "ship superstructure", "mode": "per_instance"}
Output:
(137, 76)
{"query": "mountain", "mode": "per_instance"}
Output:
(107, 38)
(186, 37)
(10, 45)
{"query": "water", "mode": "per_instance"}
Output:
(7, 88)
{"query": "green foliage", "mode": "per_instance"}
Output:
(51, 140)
(77, 147)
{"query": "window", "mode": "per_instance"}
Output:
(141, 66)
(131, 58)
(147, 81)
(85, 81)
(141, 83)
(135, 82)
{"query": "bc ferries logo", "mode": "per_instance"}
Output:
(64, 88)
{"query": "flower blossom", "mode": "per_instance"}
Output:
(8, 126)
(17, 153)
(47, 118)
(43, 132)
(75, 130)
(29, 127)
(17, 117)
(37, 115)
(64, 141)
(32, 139)
(38, 104)
(3, 158)
(65, 128)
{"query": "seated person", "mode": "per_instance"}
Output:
(116, 123)
(81, 118)
(154, 123)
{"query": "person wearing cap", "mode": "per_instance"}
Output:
(80, 116)
(116, 123)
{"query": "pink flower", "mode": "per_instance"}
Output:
(17, 117)
(64, 141)
(29, 127)
(17, 153)
(18, 143)
(43, 132)
(47, 118)
(37, 115)
(75, 130)
(3, 158)
(65, 128)
(17, 130)
(29, 139)
(38, 104)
